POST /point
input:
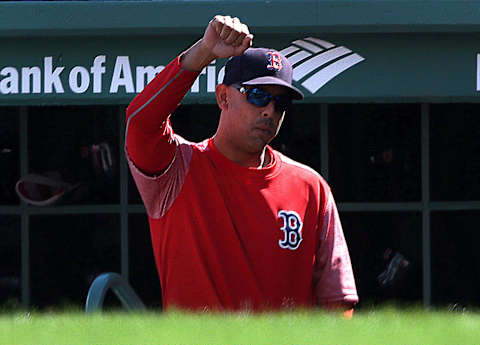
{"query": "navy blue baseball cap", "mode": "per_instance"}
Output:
(261, 66)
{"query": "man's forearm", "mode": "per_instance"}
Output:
(196, 57)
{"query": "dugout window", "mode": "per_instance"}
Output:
(455, 263)
(375, 152)
(142, 270)
(9, 154)
(386, 253)
(196, 122)
(77, 145)
(346, 142)
(10, 256)
(133, 194)
(299, 138)
(455, 150)
(67, 252)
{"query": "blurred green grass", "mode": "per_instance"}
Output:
(388, 326)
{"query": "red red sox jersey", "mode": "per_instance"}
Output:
(226, 237)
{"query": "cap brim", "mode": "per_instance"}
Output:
(297, 94)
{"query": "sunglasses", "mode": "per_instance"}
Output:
(260, 98)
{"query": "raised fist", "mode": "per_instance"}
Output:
(226, 36)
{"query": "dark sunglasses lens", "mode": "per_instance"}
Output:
(261, 98)
(258, 97)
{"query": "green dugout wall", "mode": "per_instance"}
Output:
(104, 52)
(373, 58)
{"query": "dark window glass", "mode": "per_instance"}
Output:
(10, 262)
(378, 241)
(67, 253)
(77, 145)
(143, 272)
(375, 152)
(455, 261)
(196, 122)
(133, 194)
(299, 137)
(455, 152)
(9, 154)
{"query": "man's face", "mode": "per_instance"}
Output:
(251, 127)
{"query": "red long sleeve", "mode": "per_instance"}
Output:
(149, 136)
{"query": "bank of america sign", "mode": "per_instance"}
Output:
(315, 62)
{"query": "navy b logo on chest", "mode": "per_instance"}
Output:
(292, 230)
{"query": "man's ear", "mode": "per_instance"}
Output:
(221, 92)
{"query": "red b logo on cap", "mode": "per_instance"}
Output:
(274, 61)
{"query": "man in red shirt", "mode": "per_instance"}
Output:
(235, 224)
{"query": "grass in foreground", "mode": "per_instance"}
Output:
(385, 327)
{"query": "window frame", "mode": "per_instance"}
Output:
(425, 206)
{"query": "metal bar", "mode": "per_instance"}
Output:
(125, 293)
(123, 198)
(10, 210)
(454, 206)
(72, 209)
(379, 206)
(136, 209)
(25, 260)
(410, 206)
(426, 251)
(324, 141)
(24, 218)
(343, 206)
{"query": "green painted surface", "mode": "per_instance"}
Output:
(86, 52)
(396, 67)
(274, 16)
